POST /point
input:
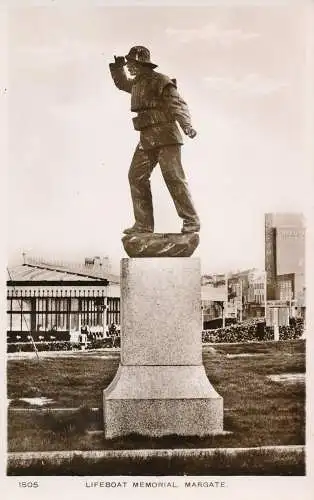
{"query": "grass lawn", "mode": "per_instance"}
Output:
(257, 411)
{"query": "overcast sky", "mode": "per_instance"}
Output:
(241, 70)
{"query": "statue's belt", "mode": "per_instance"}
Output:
(150, 117)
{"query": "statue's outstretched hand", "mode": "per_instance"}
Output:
(189, 131)
(119, 60)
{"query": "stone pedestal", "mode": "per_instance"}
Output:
(161, 386)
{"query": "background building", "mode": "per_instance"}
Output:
(49, 300)
(214, 294)
(247, 293)
(285, 258)
(233, 297)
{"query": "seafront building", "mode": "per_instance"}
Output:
(49, 300)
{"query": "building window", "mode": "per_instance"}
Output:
(19, 314)
(16, 322)
(113, 311)
(46, 314)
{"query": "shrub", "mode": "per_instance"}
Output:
(253, 330)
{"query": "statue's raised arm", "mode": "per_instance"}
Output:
(122, 82)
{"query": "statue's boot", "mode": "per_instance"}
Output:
(138, 229)
(190, 227)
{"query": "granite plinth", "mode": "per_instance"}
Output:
(161, 386)
(161, 311)
(160, 244)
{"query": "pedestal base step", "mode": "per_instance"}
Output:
(162, 400)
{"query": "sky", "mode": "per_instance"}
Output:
(242, 71)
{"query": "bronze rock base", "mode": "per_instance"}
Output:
(160, 244)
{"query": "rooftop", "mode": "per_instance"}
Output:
(40, 270)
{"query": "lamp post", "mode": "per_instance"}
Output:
(101, 306)
(241, 301)
(265, 296)
(202, 312)
(104, 323)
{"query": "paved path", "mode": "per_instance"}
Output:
(64, 354)
(58, 457)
